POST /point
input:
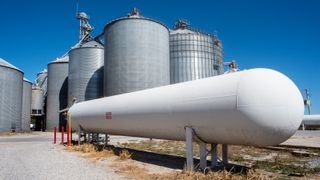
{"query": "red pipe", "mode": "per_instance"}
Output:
(62, 135)
(54, 135)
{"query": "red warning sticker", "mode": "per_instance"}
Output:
(108, 115)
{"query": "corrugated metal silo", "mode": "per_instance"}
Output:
(26, 105)
(85, 80)
(136, 55)
(193, 54)
(37, 101)
(10, 96)
(218, 56)
(42, 80)
(57, 94)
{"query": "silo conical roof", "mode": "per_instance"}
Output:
(92, 44)
(8, 65)
(27, 80)
(42, 72)
(89, 44)
(135, 14)
(64, 59)
(183, 31)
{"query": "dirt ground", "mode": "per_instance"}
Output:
(272, 162)
(163, 159)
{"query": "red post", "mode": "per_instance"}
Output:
(68, 136)
(54, 135)
(62, 135)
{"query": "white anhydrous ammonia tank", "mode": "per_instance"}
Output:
(311, 120)
(257, 107)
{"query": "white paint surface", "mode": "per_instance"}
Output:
(257, 107)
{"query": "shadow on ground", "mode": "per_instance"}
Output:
(172, 161)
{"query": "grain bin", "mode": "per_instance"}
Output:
(193, 54)
(37, 101)
(10, 96)
(136, 54)
(85, 80)
(26, 105)
(42, 80)
(57, 94)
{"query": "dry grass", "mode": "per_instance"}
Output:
(220, 175)
(100, 155)
(91, 152)
(132, 171)
(124, 155)
(282, 163)
(163, 147)
(7, 133)
(137, 172)
(84, 148)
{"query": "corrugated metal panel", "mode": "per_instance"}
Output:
(37, 101)
(42, 80)
(194, 55)
(57, 94)
(136, 55)
(85, 81)
(218, 56)
(26, 105)
(10, 97)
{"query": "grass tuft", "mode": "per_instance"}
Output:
(124, 155)
(91, 152)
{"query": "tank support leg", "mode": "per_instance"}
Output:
(225, 153)
(214, 156)
(85, 137)
(79, 134)
(106, 139)
(203, 155)
(88, 137)
(189, 149)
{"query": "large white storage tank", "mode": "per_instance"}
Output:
(26, 105)
(85, 80)
(136, 54)
(57, 93)
(259, 107)
(10, 96)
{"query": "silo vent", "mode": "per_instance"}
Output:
(181, 24)
(134, 12)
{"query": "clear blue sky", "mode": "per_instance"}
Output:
(277, 34)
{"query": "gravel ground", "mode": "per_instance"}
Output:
(33, 156)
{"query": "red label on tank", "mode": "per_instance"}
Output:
(108, 115)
